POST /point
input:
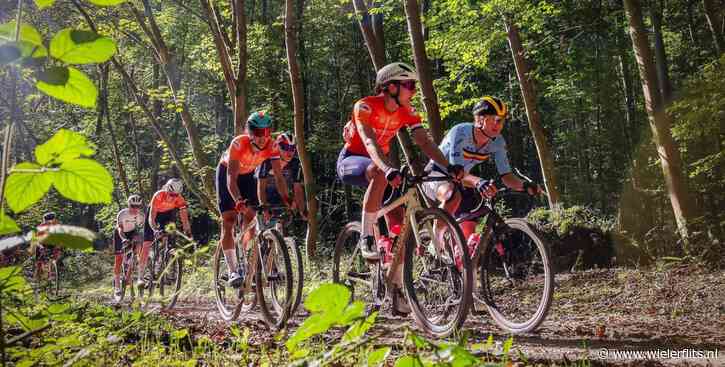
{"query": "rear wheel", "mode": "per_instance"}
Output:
(228, 299)
(436, 273)
(297, 272)
(274, 279)
(53, 280)
(349, 268)
(517, 280)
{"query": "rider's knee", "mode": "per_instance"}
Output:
(374, 172)
(447, 192)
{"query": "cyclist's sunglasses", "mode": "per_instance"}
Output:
(408, 84)
(287, 147)
(497, 119)
(266, 131)
(135, 206)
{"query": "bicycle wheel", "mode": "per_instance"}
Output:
(228, 299)
(297, 272)
(517, 280)
(169, 280)
(349, 268)
(274, 279)
(125, 278)
(53, 280)
(436, 273)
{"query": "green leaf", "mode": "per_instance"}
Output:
(72, 237)
(9, 52)
(508, 344)
(68, 84)
(24, 189)
(58, 308)
(329, 296)
(408, 361)
(85, 181)
(81, 47)
(30, 42)
(357, 330)
(107, 2)
(378, 356)
(12, 279)
(7, 225)
(42, 4)
(65, 145)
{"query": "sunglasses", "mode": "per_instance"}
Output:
(408, 84)
(135, 206)
(287, 147)
(497, 119)
(267, 131)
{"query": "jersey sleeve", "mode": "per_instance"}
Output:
(452, 145)
(411, 118)
(180, 202)
(155, 201)
(362, 112)
(264, 169)
(503, 166)
(237, 148)
(274, 151)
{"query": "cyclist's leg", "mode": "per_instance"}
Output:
(225, 203)
(143, 255)
(118, 258)
(248, 189)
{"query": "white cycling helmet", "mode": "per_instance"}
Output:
(174, 185)
(286, 138)
(134, 200)
(395, 71)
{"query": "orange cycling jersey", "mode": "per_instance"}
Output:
(248, 155)
(164, 201)
(371, 112)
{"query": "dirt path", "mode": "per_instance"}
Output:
(675, 313)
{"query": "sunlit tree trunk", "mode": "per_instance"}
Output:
(528, 91)
(290, 31)
(430, 99)
(716, 22)
(660, 120)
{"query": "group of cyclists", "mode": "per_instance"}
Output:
(259, 169)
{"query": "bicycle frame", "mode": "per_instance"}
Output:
(260, 226)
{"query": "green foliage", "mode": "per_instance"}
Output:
(7, 225)
(42, 4)
(72, 237)
(30, 43)
(107, 2)
(564, 220)
(68, 84)
(26, 185)
(81, 47)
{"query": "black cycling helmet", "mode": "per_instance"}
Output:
(490, 106)
(47, 217)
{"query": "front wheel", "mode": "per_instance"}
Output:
(274, 279)
(349, 268)
(436, 273)
(517, 280)
(228, 299)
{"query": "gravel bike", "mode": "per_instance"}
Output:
(266, 267)
(516, 279)
(129, 264)
(437, 290)
(163, 271)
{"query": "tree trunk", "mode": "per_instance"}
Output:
(105, 110)
(173, 76)
(240, 92)
(290, 32)
(377, 53)
(660, 54)
(528, 91)
(715, 22)
(660, 121)
(430, 100)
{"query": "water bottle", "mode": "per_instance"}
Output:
(385, 243)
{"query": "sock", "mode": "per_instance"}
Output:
(231, 257)
(368, 223)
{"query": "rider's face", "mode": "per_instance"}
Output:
(491, 124)
(406, 91)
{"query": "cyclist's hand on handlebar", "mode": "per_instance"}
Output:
(532, 188)
(456, 171)
(394, 177)
(486, 188)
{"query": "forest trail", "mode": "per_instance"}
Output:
(596, 315)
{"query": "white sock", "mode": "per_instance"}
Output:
(368, 223)
(231, 257)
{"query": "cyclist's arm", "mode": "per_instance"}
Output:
(262, 183)
(371, 145)
(185, 219)
(118, 227)
(232, 173)
(152, 214)
(279, 180)
(512, 182)
(426, 144)
(299, 195)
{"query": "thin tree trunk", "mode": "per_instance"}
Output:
(660, 121)
(170, 68)
(528, 91)
(430, 99)
(240, 92)
(105, 110)
(290, 32)
(660, 54)
(365, 21)
(715, 22)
